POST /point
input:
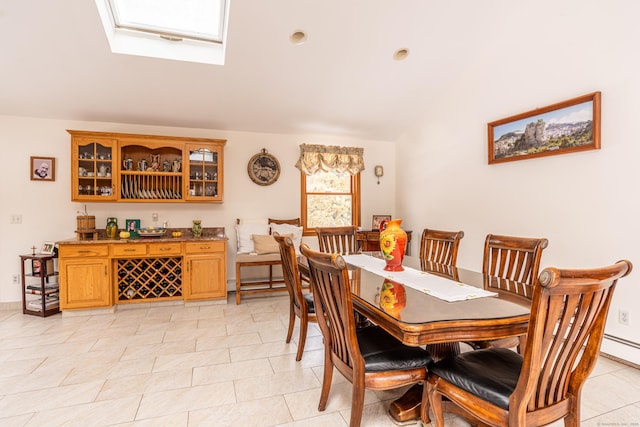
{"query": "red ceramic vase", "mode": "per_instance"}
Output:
(393, 240)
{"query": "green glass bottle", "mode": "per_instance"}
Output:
(112, 228)
(197, 228)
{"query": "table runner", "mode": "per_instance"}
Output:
(439, 287)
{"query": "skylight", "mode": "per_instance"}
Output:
(185, 30)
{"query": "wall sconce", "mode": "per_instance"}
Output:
(378, 171)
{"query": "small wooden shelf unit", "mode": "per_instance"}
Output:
(39, 297)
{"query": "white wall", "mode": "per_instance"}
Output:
(587, 203)
(49, 215)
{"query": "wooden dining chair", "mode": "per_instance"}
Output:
(513, 258)
(517, 260)
(296, 223)
(440, 246)
(500, 387)
(300, 304)
(338, 240)
(369, 357)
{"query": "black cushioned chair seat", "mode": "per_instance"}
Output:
(382, 352)
(309, 299)
(491, 374)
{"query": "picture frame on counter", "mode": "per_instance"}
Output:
(132, 226)
(42, 168)
(48, 248)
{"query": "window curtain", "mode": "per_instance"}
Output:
(324, 158)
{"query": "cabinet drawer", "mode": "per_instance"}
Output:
(205, 247)
(129, 249)
(88, 250)
(165, 248)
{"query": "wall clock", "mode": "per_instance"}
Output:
(263, 168)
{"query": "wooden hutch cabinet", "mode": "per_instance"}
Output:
(145, 168)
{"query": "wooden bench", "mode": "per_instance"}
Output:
(269, 260)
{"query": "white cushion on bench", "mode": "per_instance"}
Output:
(244, 233)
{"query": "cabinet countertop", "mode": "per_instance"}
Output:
(208, 234)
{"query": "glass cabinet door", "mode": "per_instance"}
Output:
(203, 167)
(93, 169)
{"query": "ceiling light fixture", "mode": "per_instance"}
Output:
(298, 37)
(401, 54)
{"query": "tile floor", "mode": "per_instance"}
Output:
(205, 365)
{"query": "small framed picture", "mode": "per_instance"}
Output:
(42, 168)
(47, 248)
(133, 225)
(377, 220)
(41, 268)
(36, 267)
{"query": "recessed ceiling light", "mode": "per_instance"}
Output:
(298, 37)
(401, 54)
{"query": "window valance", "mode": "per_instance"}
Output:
(325, 158)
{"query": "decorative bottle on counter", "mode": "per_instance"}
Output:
(112, 228)
(393, 240)
(196, 229)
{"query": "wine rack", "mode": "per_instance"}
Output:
(149, 278)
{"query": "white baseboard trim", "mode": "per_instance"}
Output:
(12, 305)
(622, 349)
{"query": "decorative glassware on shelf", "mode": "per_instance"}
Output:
(196, 229)
(393, 241)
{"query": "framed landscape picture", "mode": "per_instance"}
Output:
(565, 127)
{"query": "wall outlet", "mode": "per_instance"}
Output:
(15, 219)
(623, 317)
(15, 279)
(154, 217)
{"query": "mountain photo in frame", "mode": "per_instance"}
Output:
(565, 127)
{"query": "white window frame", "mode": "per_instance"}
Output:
(152, 42)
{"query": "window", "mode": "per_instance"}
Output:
(330, 199)
(330, 186)
(186, 30)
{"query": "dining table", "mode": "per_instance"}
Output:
(433, 305)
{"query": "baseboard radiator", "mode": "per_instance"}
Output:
(622, 341)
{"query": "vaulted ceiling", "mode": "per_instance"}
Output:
(56, 63)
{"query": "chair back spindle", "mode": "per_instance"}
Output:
(440, 247)
(514, 258)
(337, 240)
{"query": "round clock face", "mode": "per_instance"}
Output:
(263, 169)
